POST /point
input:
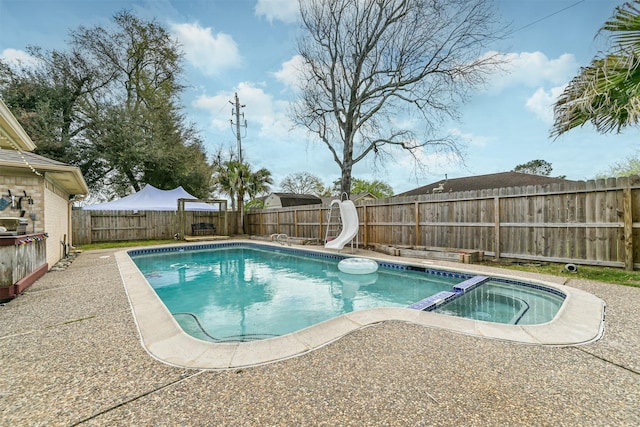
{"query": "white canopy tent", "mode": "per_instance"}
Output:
(151, 198)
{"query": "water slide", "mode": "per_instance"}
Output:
(350, 224)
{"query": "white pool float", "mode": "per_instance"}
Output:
(358, 266)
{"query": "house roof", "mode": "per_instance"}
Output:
(67, 177)
(15, 153)
(11, 133)
(483, 182)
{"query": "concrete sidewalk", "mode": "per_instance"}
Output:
(70, 354)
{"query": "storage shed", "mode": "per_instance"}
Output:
(285, 200)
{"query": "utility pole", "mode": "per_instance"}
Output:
(236, 112)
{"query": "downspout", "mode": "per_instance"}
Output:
(72, 199)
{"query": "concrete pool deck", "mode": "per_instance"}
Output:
(580, 320)
(71, 354)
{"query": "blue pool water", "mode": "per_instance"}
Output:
(503, 302)
(241, 292)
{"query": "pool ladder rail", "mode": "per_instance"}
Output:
(281, 238)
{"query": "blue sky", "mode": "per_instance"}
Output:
(246, 47)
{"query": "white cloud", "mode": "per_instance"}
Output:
(470, 139)
(264, 116)
(541, 103)
(533, 69)
(267, 141)
(434, 163)
(210, 53)
(290, 71)
(15, 57)
(283, 10)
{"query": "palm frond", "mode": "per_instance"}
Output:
(607, 92)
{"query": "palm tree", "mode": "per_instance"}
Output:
(607, 91)
(259, 183)
(236, 179)
(223, 182)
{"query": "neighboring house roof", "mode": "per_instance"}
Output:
(483, 182)
(353, 197)
(362, 196)
(291, 199)
(67, 177)
(11, 133)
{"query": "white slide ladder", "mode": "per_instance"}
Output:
(350, 225)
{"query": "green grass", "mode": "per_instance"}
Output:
(123, 244)
(617, 276)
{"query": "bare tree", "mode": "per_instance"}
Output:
(303, 183)
(367, 62)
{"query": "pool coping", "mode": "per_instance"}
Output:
(580, 320)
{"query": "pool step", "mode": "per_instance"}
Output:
(469, 284)
(433, 301)
(440, 298)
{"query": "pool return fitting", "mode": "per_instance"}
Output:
(571, 268)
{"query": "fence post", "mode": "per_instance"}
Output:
(496, 229)
(89, 227)
(417, 217)
(365, 230)
(261, 218)
(627, 212)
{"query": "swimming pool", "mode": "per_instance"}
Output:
(245, 292)
(579, 319)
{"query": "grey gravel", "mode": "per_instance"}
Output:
(70, 354)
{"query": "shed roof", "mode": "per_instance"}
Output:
(292, 199)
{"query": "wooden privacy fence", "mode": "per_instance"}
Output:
(586, 222)
(108, 226)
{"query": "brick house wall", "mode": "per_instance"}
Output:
(33, 185)
(50, 209)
